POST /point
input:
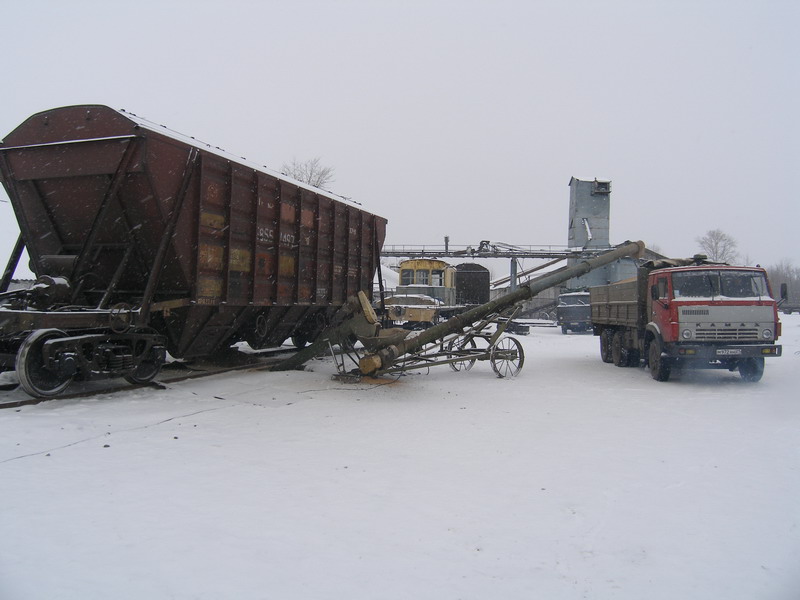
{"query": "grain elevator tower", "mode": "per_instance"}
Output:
(589, 212)
(589, 215)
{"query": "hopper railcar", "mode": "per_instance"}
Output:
(144, 242)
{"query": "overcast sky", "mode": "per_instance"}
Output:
(458, 118)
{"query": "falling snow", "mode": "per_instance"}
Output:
(575, 479)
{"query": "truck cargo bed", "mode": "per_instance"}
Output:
(617, 304)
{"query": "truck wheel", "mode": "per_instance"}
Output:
(605, 345)
(660, 366)
(751, 369)
(564, 329)
(619, 353)
(633, 358)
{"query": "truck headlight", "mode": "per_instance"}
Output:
(686, 334)
(767, 334)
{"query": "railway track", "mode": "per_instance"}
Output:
(12, 397)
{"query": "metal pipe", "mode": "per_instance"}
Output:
(513, 275)
(13, 261)
(526, 272)
(385, 357)
(169, 231)
(88, 245)
(115, 279)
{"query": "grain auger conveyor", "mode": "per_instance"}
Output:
(475, 335)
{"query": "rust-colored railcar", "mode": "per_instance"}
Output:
(143, 240)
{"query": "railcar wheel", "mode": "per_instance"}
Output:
(751, 369)
(605, 345)
(146, 371)
(299, 341)
(660, 366)
(34, 377)
(255, 332)
(507, 357)
(466, 344)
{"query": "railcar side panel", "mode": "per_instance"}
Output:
(212, 227)
(340, 254)
(287, 245)
(265, 243)
(325, 259)
(113, 201)
(240, 237)
(353, 250)
(307, 241)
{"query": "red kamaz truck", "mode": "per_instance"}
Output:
(688, 314)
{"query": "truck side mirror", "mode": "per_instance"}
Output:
(784, 292)
(654, 292)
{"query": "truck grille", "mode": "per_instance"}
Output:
(704, 334)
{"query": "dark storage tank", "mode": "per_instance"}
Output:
(472, 284)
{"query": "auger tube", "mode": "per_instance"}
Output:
(385, 357)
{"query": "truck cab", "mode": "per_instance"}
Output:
(716, 315)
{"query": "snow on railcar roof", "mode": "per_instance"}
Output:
(192, 141)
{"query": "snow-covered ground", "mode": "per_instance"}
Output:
(577, 479)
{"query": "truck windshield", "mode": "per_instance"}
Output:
(713, 283)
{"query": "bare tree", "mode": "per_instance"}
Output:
(718, 246)
(785, 272)
(309, 171)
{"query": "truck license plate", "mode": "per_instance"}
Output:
(729, 351)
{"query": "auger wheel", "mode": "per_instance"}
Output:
(507, 357)
(458, 348)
